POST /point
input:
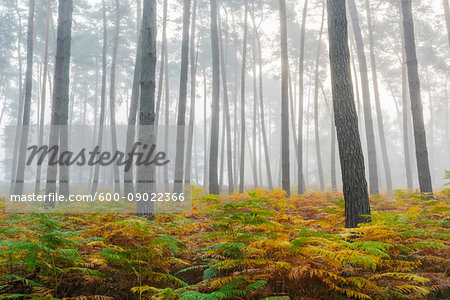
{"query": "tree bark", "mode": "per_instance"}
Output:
(37, 186)
(243, 71)
(261, 106)
(181, 122)
(146, 174)
(102, 103)
(370, 137)
(285, 176)
(60, 88)
(357, 206)
(423, 166)
(214, 145)
(301, 178)
(226, 108)
(384, 154)
(193, 62)
(18, 187)
(316, 105)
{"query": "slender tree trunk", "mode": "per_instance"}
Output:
(357, 206)
(416, 102)
(102, 103)
(214, 148)
(332, 143)
(386, 164)
(91, 170)
(447, 18)
(128, 186)
(18, 187)
(193, 59)
(255, 110)
(112, 97)
(20, 102)
(261, 106)
(146, 174)
(243, 73)
(205, 135)
(179, 158)
(60, 88)
(285, 176)
(166, 115)
(316, 105)
(37, 186)
(301, 178)
(370, 137)
(226, 108)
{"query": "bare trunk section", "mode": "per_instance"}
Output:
(18, 187)
(370, 137)
(357, 206)
(423, 166)
(301, 178)
(146, 174)
(37, 186)
(384, 154)
(285, 175)
(243, 71)
(193, 59)
(112, 97)
(181, 121)
(316, 104)
(214, 148)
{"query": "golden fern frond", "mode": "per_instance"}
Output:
(408, 289)
(408, 276)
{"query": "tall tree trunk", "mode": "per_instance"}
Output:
(261, 107)
(128, 186)
(243, 71)
(102, 103)
(332, 143)
(255, 102)
(226, 108)
(301, 178)
(352, 162)
(386, 164)
(37, 186)
(60, 88)
(166, 114)
(112, 97)
(214, 148)
(205, 135)
(193, 59)
(18, 187)
(285, 174)
(447, 19)
(179, 157)
(146, 174)
(370, 137)
(20, 102)
(423, 167)
(316, 104)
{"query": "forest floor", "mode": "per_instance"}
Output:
(242, 246)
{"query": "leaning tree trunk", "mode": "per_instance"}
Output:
(226, 108)
(18, 187)
(214, 146)
(37, 186)
(112, 97)
(285, 176)
(261, 106)
(193, 61)
(357, 206)
(423, 166)
(60, 84)
(244, 58)
(102, 104)
(301, 179)
(370, 137)
(386, 164)
(316, 104)
(181, 122)
(146, 174)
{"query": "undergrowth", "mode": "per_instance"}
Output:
(243, 246)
